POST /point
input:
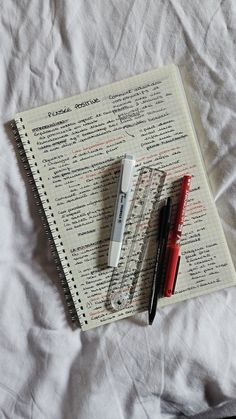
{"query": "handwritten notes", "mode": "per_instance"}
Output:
(77, 145)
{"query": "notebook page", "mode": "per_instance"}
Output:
(76, 146)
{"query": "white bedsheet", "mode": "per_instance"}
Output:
(185, 364)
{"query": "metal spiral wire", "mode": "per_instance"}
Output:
(48, 222)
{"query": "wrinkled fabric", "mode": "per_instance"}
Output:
(185, 364)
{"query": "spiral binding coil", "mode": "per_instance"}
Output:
(65, 275)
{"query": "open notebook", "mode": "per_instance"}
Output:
(73, 150)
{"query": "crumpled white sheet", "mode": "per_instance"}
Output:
(185, 364)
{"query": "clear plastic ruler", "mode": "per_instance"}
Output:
(144, 203)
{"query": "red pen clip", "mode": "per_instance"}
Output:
(172, 269)
(173, 248)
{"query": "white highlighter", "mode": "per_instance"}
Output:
(121, 209)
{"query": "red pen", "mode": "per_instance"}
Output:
(173, 246)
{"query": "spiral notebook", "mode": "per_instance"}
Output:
(72, 149)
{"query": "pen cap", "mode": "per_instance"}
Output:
(128, 164)
(182, 206)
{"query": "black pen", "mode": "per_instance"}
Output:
(157, 283)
